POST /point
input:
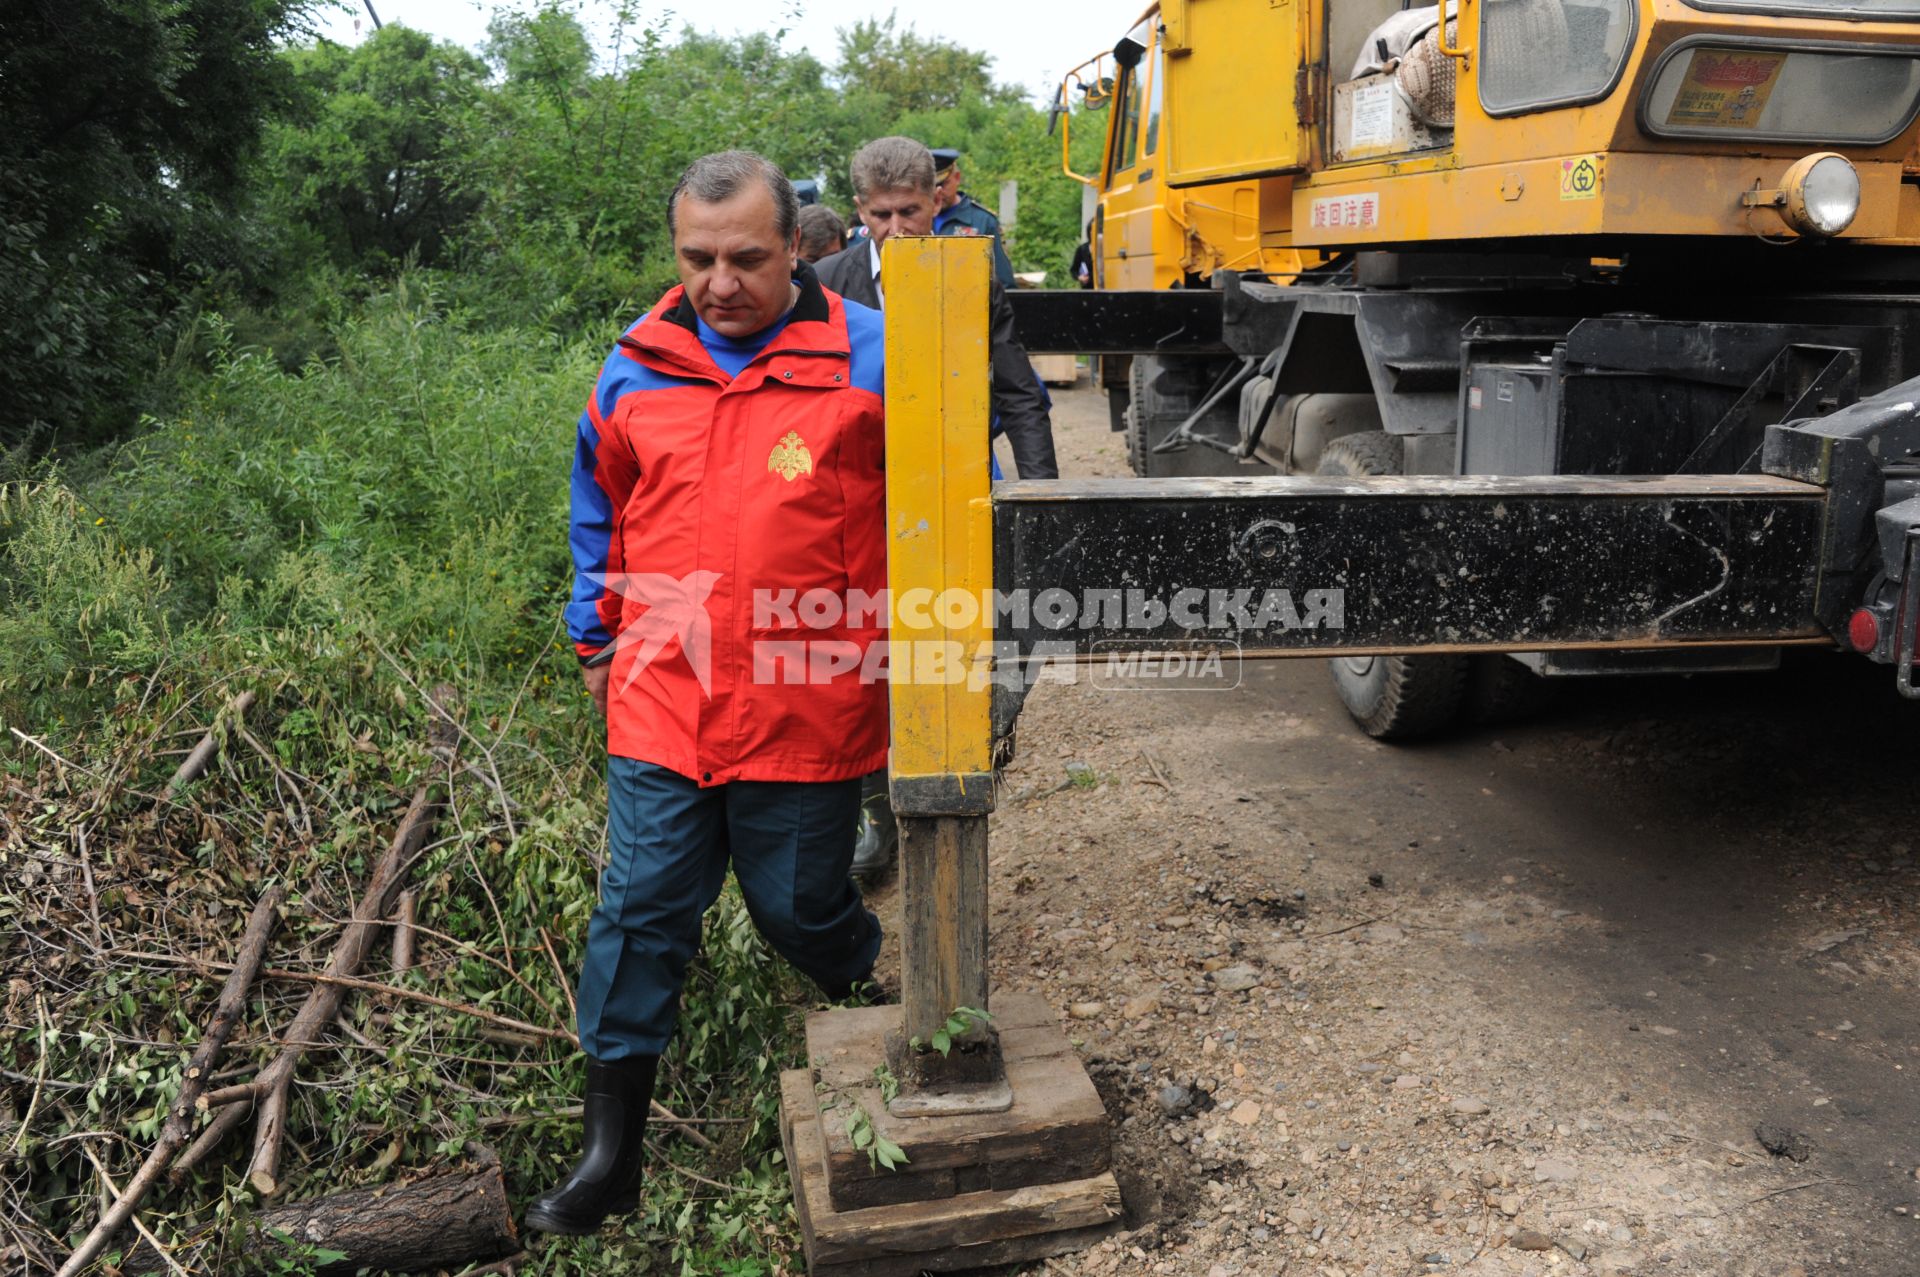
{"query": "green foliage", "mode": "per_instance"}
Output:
(295, 1257)
(360, 348)
(882, 1153)
(75, 602)
(533, 181)
(901, 73)
(547, 47)
(544, 190)
(338, 538)
(896, 81)
(957, 1025)
(889, 1084)
(128, 125)
(358, 170)
(576, 167)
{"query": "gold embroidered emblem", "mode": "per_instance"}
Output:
(790, 458)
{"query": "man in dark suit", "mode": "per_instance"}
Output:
(893, 194)
(1082, 268)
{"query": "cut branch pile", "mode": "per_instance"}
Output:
(431, 1220)
(269, 1091)
(233, 999)
(130, 893)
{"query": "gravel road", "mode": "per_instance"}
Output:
(1630, 988)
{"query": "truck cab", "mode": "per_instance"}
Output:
(1518, 238)
(1147, 234)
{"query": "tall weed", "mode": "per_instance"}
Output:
(74, 602)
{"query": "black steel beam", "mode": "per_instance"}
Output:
(1850, 451)
(1172, 322)
(1297, 565)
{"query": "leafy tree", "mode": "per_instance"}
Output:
(360, 168)
(138, 182)
(896, 81)
(547, 47)
(576, 168)
(127, 126)
(905, 72)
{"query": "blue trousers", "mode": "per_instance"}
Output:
(669, 843)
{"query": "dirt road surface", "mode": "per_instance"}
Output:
(1510, 1003)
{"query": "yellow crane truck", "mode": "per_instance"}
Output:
(1677, 239)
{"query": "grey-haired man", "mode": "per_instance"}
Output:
(893, 194)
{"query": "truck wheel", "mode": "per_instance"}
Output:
(1391, 697)
(1502, 690)
(1147, 408)
(1162, 393)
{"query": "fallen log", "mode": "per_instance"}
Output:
(173, 1133)
(436, 1223)
(196, 762)
(275, 1082)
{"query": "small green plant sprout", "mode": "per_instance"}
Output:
(298, 1257)
(863, 993)
(958, 1024)
(881, 1152)
(889, 1084)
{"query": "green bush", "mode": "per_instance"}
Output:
(74, 603)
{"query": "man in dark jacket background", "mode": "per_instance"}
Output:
(893, 194)
(958, 213)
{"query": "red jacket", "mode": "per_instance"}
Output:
(693, 493)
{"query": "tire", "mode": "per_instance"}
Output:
(1162, 393)
(1392, 697)
(1502, 690)
(1139, 459)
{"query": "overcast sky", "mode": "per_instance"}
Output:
(1032, 44)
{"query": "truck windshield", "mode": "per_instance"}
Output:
(1897, 9)
(1543, 53)
(1760, 89)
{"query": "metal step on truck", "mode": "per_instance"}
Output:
(1587, 253)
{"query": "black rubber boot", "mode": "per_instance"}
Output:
(606, 1180)
(877, 833)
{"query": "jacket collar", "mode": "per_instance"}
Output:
(670, 332)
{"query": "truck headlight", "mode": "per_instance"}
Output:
(1822, 194)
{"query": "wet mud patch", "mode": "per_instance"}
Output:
(1158, 1183)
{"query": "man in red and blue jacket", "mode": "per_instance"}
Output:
(729, 461)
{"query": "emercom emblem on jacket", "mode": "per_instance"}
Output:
(790, 458)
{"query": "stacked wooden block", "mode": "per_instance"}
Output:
(976, 1189)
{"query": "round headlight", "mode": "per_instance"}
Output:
(1823, 194)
